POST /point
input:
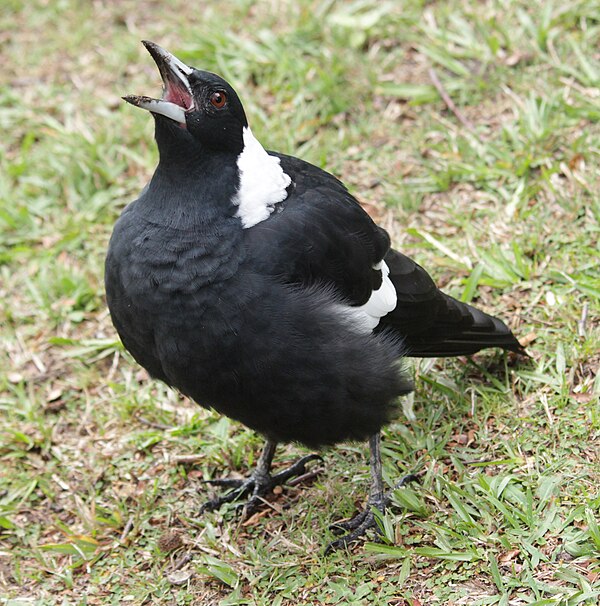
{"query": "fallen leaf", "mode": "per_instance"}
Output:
(255, 518)
(508, 556)
(179, 577)
(528, 339)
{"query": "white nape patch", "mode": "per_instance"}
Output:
(262, 182)
(383, 300)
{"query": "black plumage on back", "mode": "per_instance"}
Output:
(254, 283)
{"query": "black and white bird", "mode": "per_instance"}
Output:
(254, 283)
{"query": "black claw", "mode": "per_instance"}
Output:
(297, 469)
(257, 485)
(407, 479)
(348, 525)
(356, 527)
(241, 489)
(368, 520)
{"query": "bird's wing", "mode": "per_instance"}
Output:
(321, 235)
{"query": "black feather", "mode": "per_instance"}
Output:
(434, 324)
(258, 322)
(195, 307)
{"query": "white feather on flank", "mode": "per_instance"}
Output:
(262, 182)
(383, 300)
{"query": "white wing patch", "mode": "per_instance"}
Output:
(262, 182)
(383, 300)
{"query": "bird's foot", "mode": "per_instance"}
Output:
(257, 486)
(357, 527)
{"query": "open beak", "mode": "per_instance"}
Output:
(177, 96)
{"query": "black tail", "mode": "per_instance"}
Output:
(461, 330)
(434, 324)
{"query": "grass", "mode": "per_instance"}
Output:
(501, 207)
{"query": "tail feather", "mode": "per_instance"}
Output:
(461, 334)
(434, 324)
(485, 331)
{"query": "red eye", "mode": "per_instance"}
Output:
(218, 99)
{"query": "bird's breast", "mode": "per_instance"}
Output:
(158, 274)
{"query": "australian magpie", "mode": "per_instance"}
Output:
(255, 283)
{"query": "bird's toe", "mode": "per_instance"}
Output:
(258, 486)
(297, 471)
(240, 488)
(342, 526)
(356, 529)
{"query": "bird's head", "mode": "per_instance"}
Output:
(197, 103)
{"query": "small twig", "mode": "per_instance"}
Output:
(181, 562)
(113, 368)
(268, 505)
(581, 329)
(544, 400)
(309, 475)
(188, 460)
(449, 103)
(126, 530)
(152, 424)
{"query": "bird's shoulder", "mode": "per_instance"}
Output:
(319, 205)
(307, 176)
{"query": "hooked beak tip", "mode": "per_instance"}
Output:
(177, 96)
(133, 99)
(152, 47)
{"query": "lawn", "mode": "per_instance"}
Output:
(470, 130)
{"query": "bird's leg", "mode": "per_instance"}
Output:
(356, 527)
(258, 484)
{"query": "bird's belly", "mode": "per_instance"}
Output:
(161, 300)
(281, 360)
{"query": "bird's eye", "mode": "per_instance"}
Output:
(218, 99)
